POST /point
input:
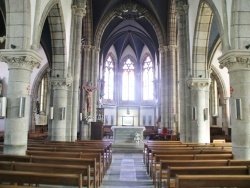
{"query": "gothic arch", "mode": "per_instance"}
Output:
(53, 11)
(34, 92)
(144, 56)
(206, 12)
(101, 27)
(111, 54)
(220, 82)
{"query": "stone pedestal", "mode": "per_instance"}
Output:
(85, 135)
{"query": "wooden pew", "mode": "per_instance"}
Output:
(50, 168)
(155, 146)
(183, 151)
(105, 147)
(98, 149)
(205, 170)
(157, 158)
(70, 161)
(161, 143)
(165, 164)
(56, 160)
(197, 181)
(40, 178)
(97, 156)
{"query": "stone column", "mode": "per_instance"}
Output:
(200, 126)
(60, 88)
(21, 64)
(78, 14)
(237, 62)
(182, 10)
(85, 131)
(172, 67)
(172, 103)
(225, 115)
(95, 78)
(86, 74)
(163, 100)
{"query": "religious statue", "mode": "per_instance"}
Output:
(89, 90)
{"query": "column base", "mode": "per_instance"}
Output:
(85, 133)
(15, 149)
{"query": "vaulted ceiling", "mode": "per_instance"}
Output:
(130, 27)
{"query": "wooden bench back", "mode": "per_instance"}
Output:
(213, 170)
(41, 178)
(197, 181)
(50, 168)
(236, 162)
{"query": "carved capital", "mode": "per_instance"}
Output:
(87, 47)
(181, 10)
(96, 49)
(163, 49)
(235, 60)
(199, 83)
(78, 11)
(21, 59)
(172, 47)
(61, 83)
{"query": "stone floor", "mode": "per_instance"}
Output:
(127, 170)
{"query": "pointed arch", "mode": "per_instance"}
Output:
(53, 12)
(206, 13)
(155, 24)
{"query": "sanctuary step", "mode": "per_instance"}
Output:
(127, 147)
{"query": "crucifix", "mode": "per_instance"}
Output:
(89, 90)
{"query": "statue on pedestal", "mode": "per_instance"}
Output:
(89, 90)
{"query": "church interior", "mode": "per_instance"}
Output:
(151, 75)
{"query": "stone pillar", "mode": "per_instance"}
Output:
(163, 100)
(182, 10)
(225, 115)
(78, 14)
(85, 131)
(172, 67)
(214, 98)
(21, 64)
(172, 102)
(237, 62)
(95, 78)
(60, 88)
(200, 124)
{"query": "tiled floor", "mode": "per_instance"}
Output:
(127, 170)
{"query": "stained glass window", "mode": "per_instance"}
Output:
(109, 78)
(128, 80)
(148, 79)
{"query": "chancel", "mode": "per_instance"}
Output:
(95, 73)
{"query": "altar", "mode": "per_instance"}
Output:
(126, 133)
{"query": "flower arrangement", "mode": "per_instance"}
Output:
(87, 119)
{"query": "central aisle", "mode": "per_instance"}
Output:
(127, 170)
